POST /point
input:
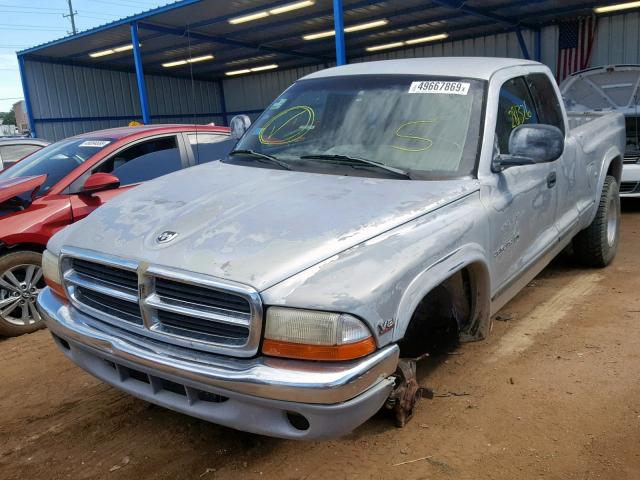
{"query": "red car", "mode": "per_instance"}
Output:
(66, 181)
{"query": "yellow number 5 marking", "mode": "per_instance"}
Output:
(427, 142)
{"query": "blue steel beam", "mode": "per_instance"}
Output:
(181, 32)
(142, 88)
(338, 25)
(27, 96)
(523, 44)
(537, 48)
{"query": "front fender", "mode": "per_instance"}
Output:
(381, 280)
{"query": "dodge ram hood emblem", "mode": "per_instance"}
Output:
(166, 237)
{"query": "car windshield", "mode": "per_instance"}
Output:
(57, 160)
(427, 126)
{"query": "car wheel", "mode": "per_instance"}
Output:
(20, 282)
(596, 245)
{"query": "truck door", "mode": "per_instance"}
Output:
(570, 173)
(523, 199)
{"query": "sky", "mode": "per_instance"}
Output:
(26, 24)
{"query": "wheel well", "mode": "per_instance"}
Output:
(31, 247)
(615, 169)
(442, 315)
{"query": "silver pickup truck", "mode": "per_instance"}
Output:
(288, 289)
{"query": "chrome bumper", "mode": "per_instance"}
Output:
(334, 397)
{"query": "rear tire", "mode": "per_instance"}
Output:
(20, 282)
(596, 245)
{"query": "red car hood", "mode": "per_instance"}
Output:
(15, 186)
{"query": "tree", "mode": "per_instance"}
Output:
(9, 118)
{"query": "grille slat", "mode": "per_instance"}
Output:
(202, 326)
(108, 274)
(630, 187)
(169, 289)
(127, 311)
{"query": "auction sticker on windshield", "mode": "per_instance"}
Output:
(95, 143)
(436, 86)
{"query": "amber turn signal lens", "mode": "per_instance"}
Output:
(303, 351)
(56, 288)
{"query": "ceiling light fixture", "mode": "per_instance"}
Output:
(616, 7)
(177, 63)
(111, 51)
(352, 28)
(272, 11)
(251, 70)
(291, 6)
(430, 38)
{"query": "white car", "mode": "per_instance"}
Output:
(612, 88)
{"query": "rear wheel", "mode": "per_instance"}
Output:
(596, 245)
(20, 282)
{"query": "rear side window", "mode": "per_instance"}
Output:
(515, 107)
(546, 100)
(144, 161)
(208, 147)
(13, 153)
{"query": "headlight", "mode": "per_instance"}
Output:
(315, 335)
(51, 273)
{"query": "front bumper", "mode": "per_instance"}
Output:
(255, 395)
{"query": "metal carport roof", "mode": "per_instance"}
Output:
(192, 28)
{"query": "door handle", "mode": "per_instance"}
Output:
(551, 180)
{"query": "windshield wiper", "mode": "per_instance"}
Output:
(362, 161)
(262, 156)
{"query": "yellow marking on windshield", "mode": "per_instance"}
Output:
(294, 135)
(427, 141)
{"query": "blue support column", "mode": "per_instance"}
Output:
(523, 44)
(338, 21)
(142, 88)
(27, 97)
(537, 49)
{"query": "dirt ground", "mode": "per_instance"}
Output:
(554, 393)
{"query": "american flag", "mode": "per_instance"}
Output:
(575, 44)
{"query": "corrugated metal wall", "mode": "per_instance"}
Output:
(68, 100)
(85, 96)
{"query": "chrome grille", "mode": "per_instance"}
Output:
(169, 305)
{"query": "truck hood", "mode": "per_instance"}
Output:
(253, 225)
(15, 186)
(608, 88)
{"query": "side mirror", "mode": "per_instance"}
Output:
(99, 182)
(530, 144)
(239, 124)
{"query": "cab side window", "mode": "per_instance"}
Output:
(144, 161)
(547, 101)
(515, 108)
(208, 147)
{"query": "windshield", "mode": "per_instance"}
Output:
(427, 126)
(56, 160)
